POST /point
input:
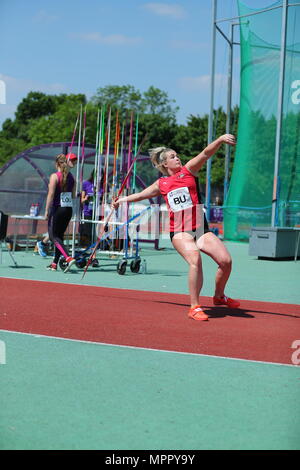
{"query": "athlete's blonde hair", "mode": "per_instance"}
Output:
(158, 156)
(61, 163)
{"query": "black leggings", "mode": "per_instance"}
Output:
(57, 225)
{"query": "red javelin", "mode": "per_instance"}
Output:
(112, 210)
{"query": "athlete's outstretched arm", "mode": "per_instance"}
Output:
(196, 163)
(149, 192)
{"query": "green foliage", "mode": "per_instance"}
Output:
(157, 102)
(59, 126)
(35, 105)
(126, 97)
(42, 118)
(119, 97)
(9, 148)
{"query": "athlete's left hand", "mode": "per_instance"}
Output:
(228, 139)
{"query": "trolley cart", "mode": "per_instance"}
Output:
(132, 228)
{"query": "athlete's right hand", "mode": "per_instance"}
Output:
(115, 203)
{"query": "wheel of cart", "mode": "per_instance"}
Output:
(81, 262)
(95, 263)
(121, 266)
(135, 265)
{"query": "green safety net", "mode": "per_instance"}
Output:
(250, 195)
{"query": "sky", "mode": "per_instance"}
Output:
(78, 46)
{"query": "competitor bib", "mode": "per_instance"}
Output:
(180, 199)
(66, 199)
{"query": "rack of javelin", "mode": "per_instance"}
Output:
(129, 250)
(119, 134)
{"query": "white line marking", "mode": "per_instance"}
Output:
(146, 349)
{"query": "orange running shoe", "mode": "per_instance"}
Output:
(52, 267)
(231, 303)
(70, 262)
(196, 313)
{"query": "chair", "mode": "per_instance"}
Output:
(3, 231)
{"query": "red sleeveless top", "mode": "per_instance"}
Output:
(180, 192)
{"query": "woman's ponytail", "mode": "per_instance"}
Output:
(61, 162)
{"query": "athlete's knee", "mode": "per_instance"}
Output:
(195, 261)
(225, 262)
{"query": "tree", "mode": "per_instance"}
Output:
(35, 105)
(127, 98)
(124, 98)
(59, 126)
(9, 148)
(157, 102)
(9, 129)
(157, 116)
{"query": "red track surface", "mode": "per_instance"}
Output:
(261, 331)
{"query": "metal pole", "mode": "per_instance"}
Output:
(296, 4)
(276, 186)
(249, 14)
(228, 116)
(211, 116)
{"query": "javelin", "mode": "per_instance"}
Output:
(74, 133)
(112, 210)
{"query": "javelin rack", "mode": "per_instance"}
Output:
(129, 251)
